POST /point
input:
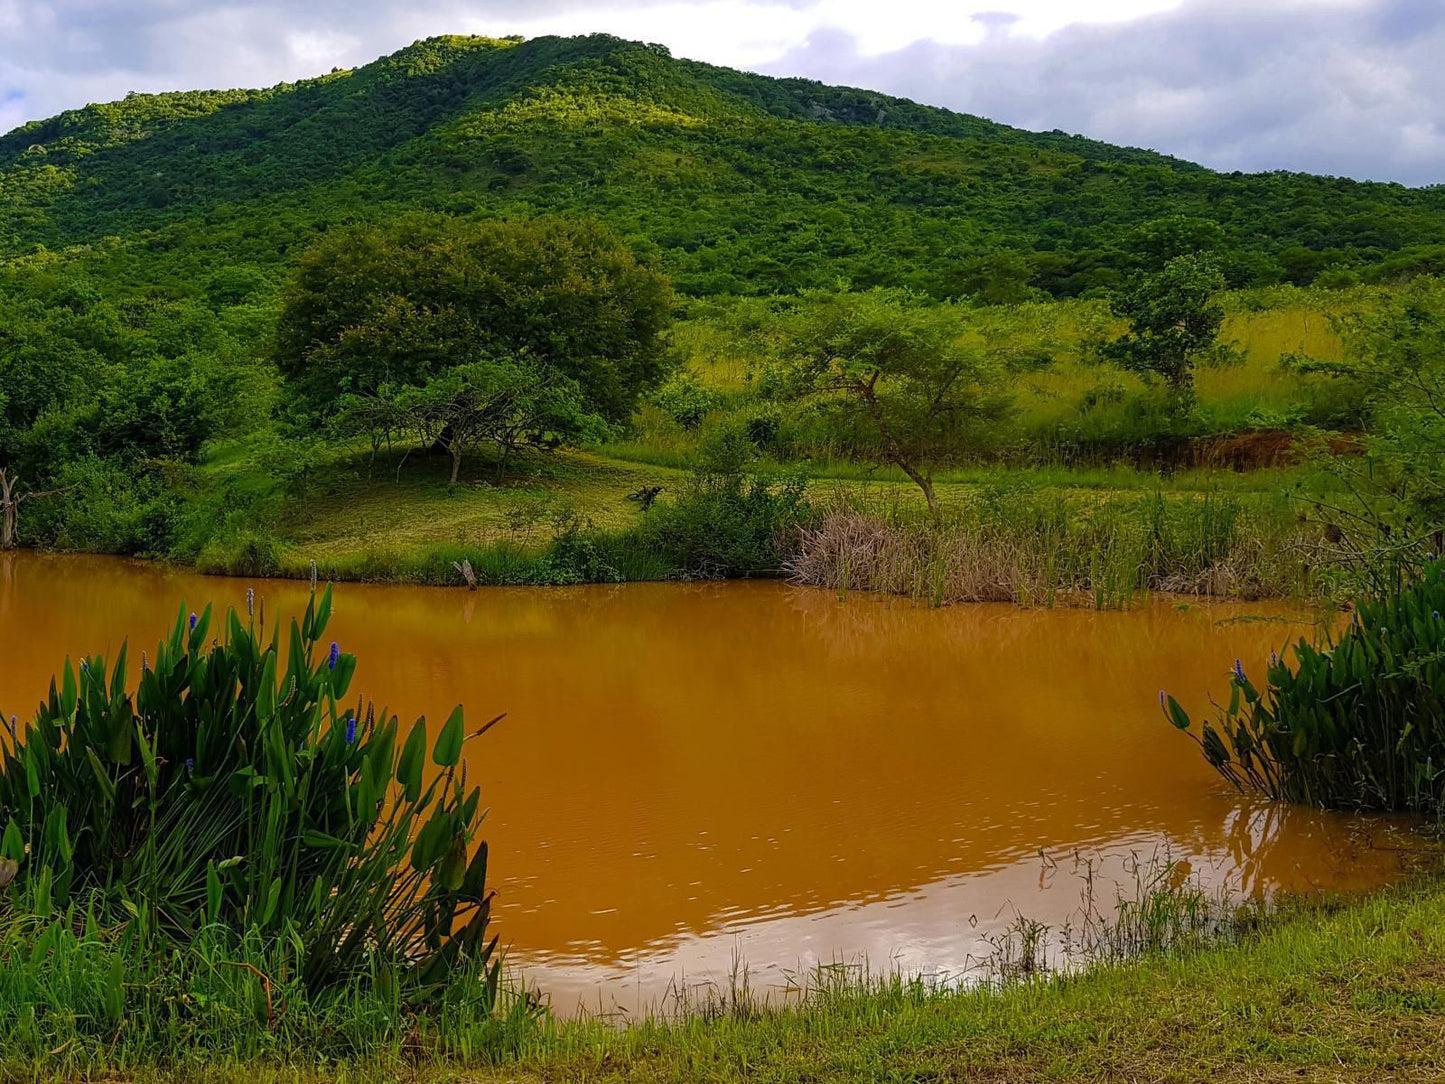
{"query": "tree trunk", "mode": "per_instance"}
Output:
(923, 482)
(455, 447)
(894, 450)
(9, 509)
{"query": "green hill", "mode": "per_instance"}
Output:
(736, 182)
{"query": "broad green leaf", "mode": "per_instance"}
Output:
(107, 787)
(408, 768)
(323, 614)
(449, 742)
(1177, 715)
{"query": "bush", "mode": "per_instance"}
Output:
(733, 518)
(686, 400)
(106, 505)
(224, 792)
(250, 553)
(1358, 723)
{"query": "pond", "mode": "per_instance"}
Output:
(692, 775)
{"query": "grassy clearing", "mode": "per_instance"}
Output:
(1101, 534)
(1071, 406)
(1326, 991)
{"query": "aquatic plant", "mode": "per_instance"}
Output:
(1358, 722)
(230, 789)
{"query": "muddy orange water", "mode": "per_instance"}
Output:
(690, 775)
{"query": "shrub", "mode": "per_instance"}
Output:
(734, 515)
(1358, 723)
(225, 792)
(686, 400)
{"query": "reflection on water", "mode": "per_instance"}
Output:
(689, 772)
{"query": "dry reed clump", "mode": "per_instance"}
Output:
(1101, 555)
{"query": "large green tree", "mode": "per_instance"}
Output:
(400, 304)
(1393, 503)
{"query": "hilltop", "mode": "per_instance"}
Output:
(734, 182)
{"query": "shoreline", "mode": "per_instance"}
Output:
(1322, 990)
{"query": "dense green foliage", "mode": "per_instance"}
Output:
(1174, 319)
(223, 791)
(740, 183)
(1355, 723)
(1397, 357)
(397, 305)
(209, 299)
(107, 398)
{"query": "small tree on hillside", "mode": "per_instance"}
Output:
(1174, 322)
(902, 368)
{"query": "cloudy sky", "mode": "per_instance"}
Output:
(1352, 87)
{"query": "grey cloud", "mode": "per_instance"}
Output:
(1350, 91)
(64, 53)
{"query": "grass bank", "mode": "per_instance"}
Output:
(1098, 536)
(1324, 991)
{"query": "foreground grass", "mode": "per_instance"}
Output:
(1327, 992)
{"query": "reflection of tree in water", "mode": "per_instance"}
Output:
(7, 585)
(1273, 847)
(854, 625)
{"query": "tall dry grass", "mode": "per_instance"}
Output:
(1051, 548)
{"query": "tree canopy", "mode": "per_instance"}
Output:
(904, 370)
(1174, 320)
(397, 305)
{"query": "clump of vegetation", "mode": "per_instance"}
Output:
(734, 517)
(224, 810)
(518, 334)
(1044, 547)
(1358, 723)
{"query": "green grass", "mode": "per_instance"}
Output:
(1072, 407)
(393, 518)
(1324, 991)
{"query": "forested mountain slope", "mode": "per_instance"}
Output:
(737, 183)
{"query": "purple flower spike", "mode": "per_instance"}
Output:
(334, 657)
(193, 621)
(1239, 669)
(1163, 699)
(351, 731)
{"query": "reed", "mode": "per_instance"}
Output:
(1046, 547)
